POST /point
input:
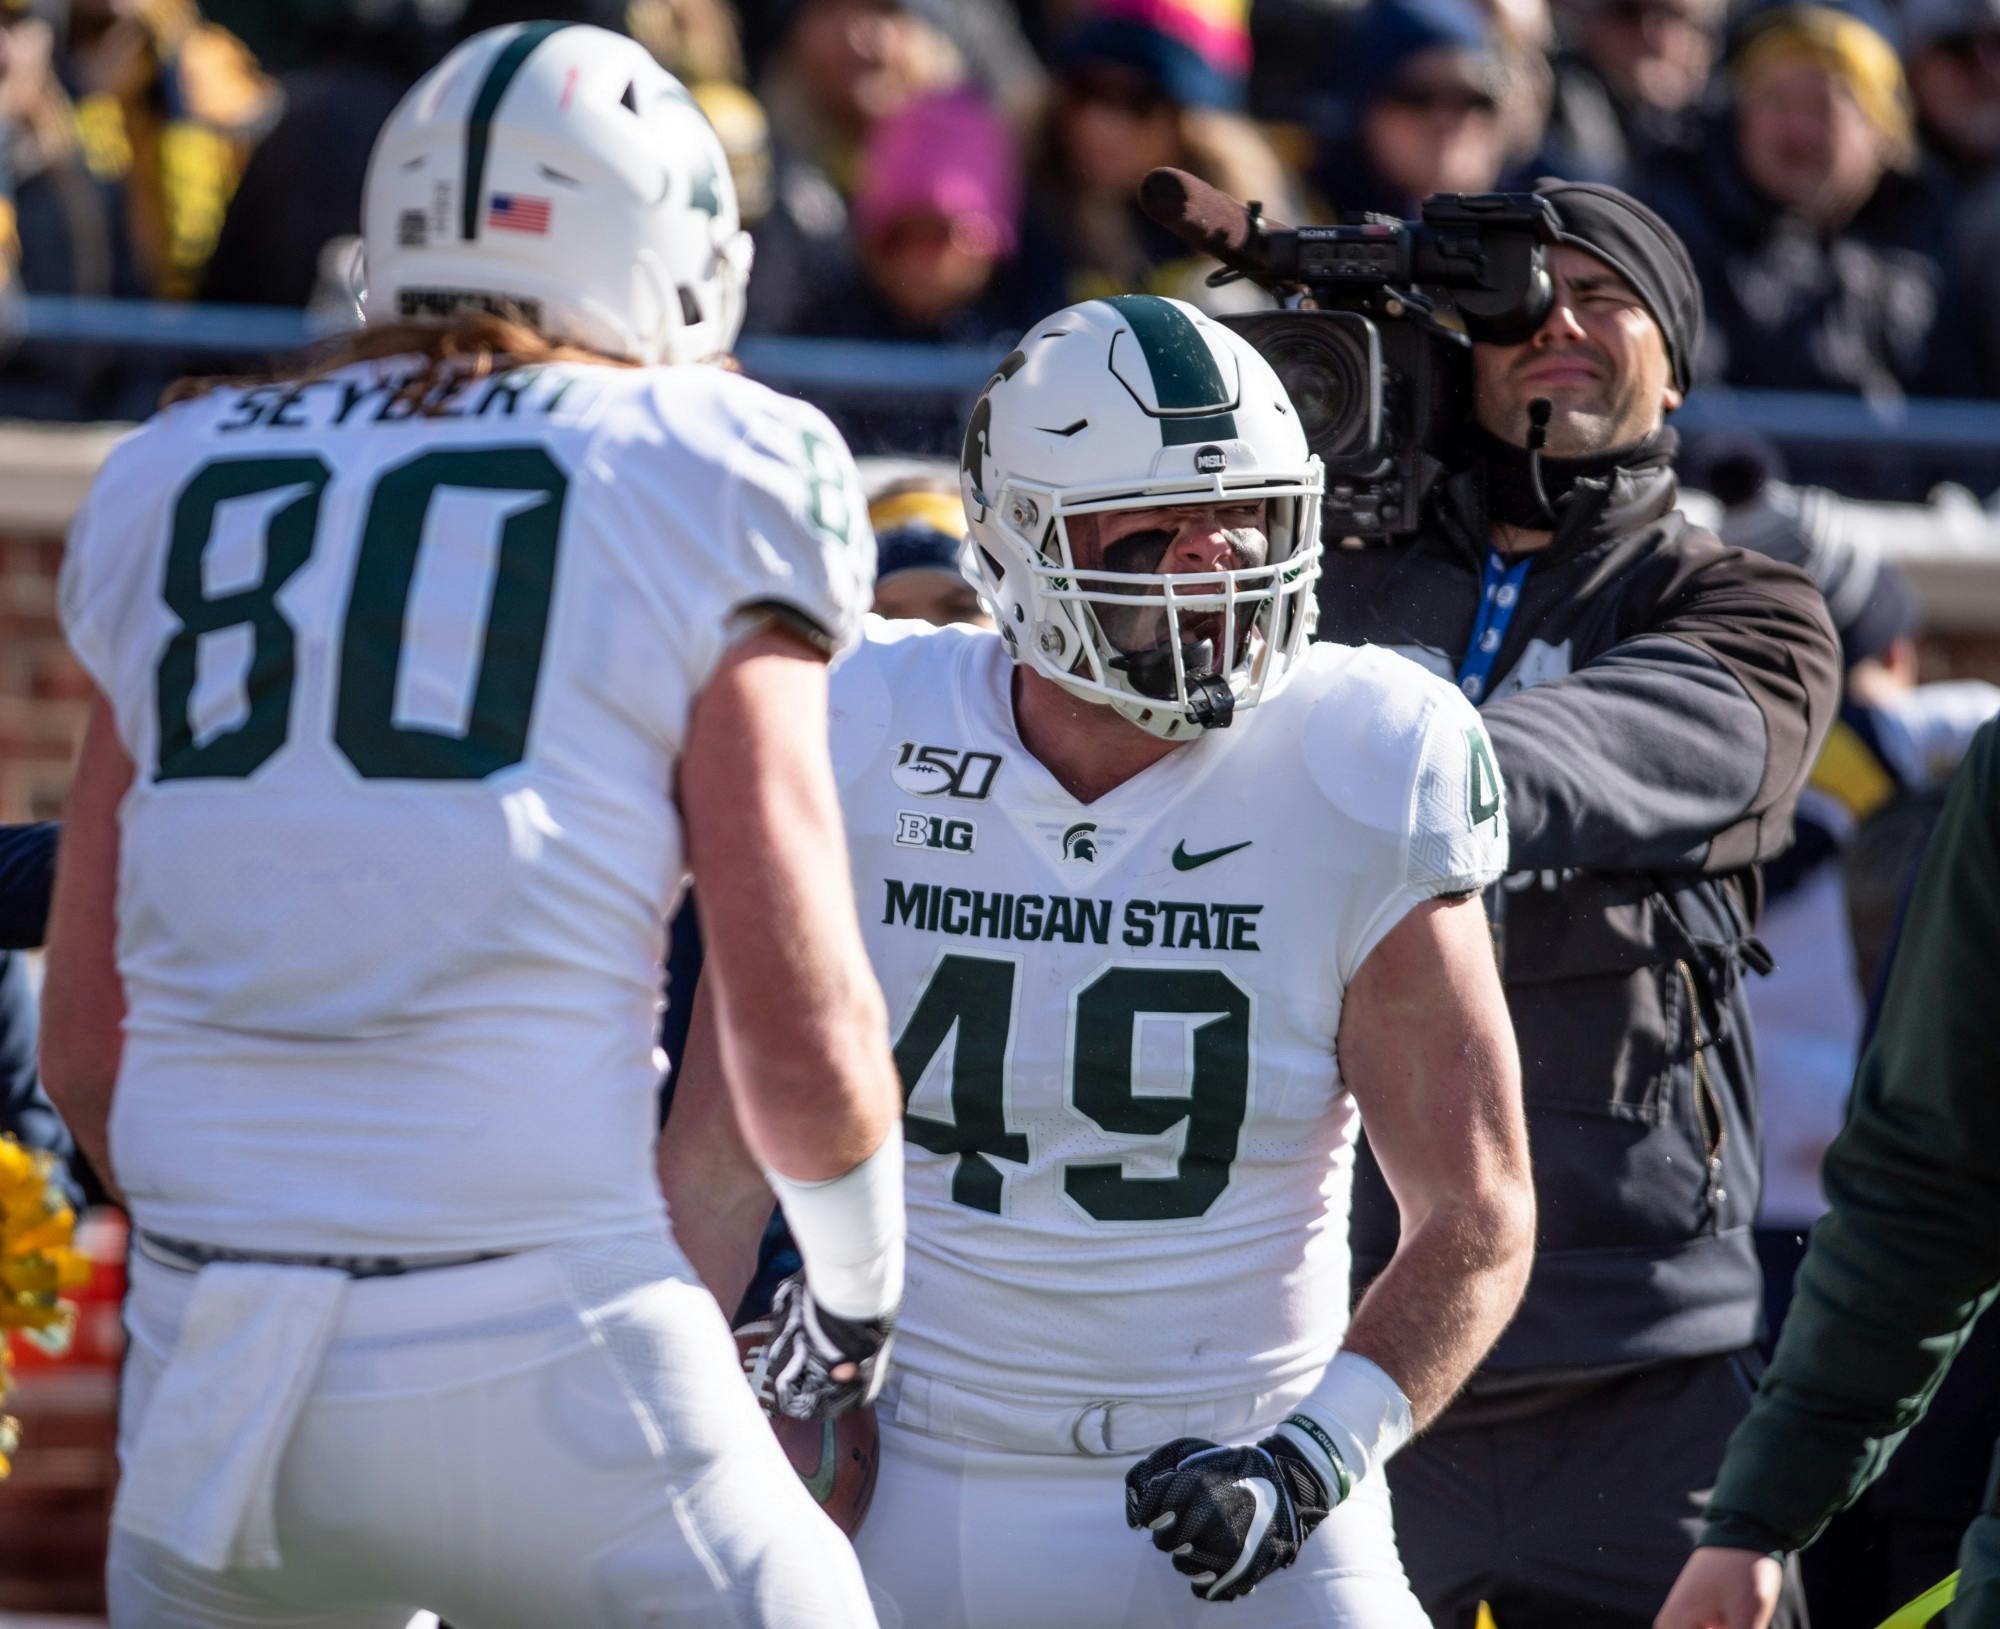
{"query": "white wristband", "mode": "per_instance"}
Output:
(849, 1230)
(1350, 1423)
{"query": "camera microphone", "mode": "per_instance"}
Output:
(1208, 219)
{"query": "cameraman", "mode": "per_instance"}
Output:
(1656, 701)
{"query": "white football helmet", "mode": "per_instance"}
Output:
(557, 168)
(1138, 402)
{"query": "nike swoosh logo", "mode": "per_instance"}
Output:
(1184, 861)
(820, 1483)
(1265, 1497)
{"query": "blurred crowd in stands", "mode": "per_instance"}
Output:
(945, 170)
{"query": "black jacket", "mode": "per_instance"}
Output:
(1597, 134)
(27, 872)
(27, 877)
(1676, 695)
(1869, 309)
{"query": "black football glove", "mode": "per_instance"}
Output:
(1229, 1516)
(808, 1343)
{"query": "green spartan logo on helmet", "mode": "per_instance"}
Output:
(979, 428)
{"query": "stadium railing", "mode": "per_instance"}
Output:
(1886, 433)
(221, 334)
(1909, 449)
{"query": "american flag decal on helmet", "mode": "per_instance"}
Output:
(517, 212)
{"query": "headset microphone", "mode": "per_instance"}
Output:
(1538, 437)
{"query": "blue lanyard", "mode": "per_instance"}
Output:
(1500, 592)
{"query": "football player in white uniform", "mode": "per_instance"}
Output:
(1160, 897)
(425, 677)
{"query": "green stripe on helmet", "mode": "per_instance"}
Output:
(1185, 377)
(480, 124)
(1209, 427)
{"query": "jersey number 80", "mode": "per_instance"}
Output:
(372, 632)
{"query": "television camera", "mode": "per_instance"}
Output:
(1372, 343)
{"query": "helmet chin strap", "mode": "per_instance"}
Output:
(1211, 703)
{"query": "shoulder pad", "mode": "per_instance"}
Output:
(893, 659)
(858, 703)
(1364, 736)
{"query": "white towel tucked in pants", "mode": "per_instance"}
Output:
(561, 1439)
(198, 1476)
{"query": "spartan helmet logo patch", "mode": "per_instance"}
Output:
(1079, 843)
(706, 193)
(979, 428)
(1210, 460)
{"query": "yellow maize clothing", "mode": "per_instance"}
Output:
(1846, 47)
(181, 111)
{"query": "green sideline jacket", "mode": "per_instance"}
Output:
(1909, 1254)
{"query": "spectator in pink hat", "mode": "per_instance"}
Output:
(937, 212)
(1141, 83)
(937, 239)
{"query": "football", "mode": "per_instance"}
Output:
(924, 779)
(836, 1459)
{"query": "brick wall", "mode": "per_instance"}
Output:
(43, 693)
(44, 472)
(1961, 656)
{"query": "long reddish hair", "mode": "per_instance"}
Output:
(476, 345)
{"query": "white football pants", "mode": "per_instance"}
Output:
(560, 1439)
(963, 1536)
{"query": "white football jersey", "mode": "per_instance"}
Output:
(405, 696)
(1129, 1152)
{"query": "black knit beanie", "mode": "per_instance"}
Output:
(1645, 251)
